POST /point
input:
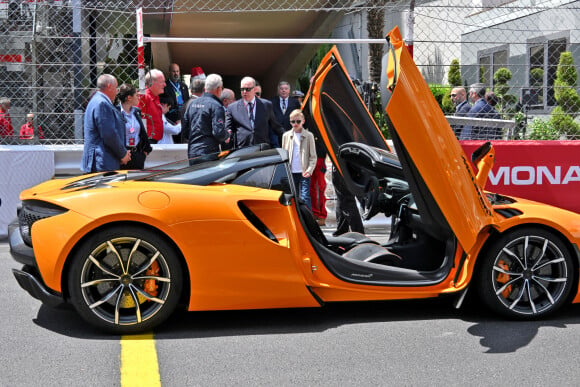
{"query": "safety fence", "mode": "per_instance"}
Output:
(526, 51)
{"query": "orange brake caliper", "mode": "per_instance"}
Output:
(503, 278)
(150, 284)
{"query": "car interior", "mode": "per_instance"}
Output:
(413, 254)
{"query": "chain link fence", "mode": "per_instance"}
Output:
(526, 52)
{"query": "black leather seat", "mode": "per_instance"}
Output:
(350, 245)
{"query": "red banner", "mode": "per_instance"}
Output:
(11, 58)
(544, 171)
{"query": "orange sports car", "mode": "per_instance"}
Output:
(227, 231)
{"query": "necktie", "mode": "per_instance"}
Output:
(251, 113)
(284, 106)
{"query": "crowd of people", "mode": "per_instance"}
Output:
(119, 127)
(479, 103)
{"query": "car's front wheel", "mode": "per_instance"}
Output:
(125, 280)
(526, 274)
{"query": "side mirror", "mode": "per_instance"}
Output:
(483, 158)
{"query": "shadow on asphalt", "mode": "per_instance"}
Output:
(496, 334)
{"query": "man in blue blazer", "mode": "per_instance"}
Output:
(479, 109)
(104, 130)
(249, 119)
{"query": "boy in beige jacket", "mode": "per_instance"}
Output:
(299, 143)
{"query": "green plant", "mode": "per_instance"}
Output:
(562, 117)
(482, 74)
(536, 76)
(439, 92)
(508, 103)
(454, 73)
(542, 130)
(308, 72)
(379, 115)
(500, 81)
(454, 79)
(564, 123)
(566, 71)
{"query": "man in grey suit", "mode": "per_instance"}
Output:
(249, 119)
(104, 130)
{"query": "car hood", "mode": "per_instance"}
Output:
(438, 172)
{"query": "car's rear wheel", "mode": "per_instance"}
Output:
(125, 280)
(526, 274)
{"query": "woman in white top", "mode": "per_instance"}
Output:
(169, 129)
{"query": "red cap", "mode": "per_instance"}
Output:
(197, 72)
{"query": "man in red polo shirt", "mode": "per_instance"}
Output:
(150, 105)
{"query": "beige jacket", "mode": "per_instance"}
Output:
(307, 149)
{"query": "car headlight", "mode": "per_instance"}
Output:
(32, 211)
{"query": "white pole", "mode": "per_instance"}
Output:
(169, 39)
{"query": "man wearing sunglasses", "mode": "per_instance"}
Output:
(249, 119)
(462, 106)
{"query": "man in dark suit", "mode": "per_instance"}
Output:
(283, 105)
(249, 119)
(462, 106)
(177, 92)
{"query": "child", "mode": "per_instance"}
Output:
(299, 143)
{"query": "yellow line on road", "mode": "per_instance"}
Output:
(139, 366)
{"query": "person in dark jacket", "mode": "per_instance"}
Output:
(282, 105)
(480, 109)
(136, 140)
(177, 92)
(462, 106)
(203, 123)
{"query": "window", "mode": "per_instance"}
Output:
(489, 62)
(543, 56)
(485, 70)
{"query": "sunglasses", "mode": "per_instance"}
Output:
(295, 121)
(453, 95)
(247, 89)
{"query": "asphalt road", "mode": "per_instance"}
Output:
(424, 342)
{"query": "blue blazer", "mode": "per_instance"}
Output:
(104, 130)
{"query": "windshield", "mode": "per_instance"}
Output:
(214, 170)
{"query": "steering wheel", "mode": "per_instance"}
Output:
(370, 200)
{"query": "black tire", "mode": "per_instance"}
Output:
(125, 300)
(526, 274)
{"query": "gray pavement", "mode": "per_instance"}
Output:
(395, 343)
